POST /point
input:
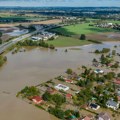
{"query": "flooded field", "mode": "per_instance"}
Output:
(17, 32)
(110, 36)
(33, 67)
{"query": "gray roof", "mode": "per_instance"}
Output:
(105, 116)
(112, 103)
(118, 93)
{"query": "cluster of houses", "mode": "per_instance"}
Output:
(66, 86)
(104, 25)
(108, 25)
(101, 116)
(93, 106)
(44, 36)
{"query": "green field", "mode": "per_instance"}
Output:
(18, 18)
(15, 17)
(81, 29)
(62, 41)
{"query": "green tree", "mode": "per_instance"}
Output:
(118, 74)
(2, 60)
(116, 65)
(0, 38)
(113, 52)
(69, 71)
(31, 28)
(58, 99)
(94, 60)
(83, 37)
(110, 75)
(57, 112)
(30, 91)
(46, 96)
(97, 51)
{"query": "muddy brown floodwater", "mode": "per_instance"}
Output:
(33, 67)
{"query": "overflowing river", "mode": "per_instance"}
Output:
(33, 67)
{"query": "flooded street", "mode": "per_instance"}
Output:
(33, 67)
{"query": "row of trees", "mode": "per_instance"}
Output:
(105, 59)
(29, 92)
(104, 50)
(35, 43)
(58, 112)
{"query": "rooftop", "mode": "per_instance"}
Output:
(112, 103)
(105, 116)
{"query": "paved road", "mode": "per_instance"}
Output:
(4, 46)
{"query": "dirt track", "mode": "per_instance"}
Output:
(55, 21)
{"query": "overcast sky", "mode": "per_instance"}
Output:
(75, 3)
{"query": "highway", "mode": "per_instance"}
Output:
(4, 46)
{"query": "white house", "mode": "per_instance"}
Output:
(36, 38)
(61, 87)
(98, 71)
(112, 104)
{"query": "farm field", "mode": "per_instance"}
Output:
(81, 29)
(55, 21)
(17, 17)
(63, 41)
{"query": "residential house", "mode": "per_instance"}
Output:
(69, 81)
(37, 99)
(112, 104)
(61, 87)
(94, 106)
(117, 81)
(78, 78)
(98, 71)
(103, 116)
(34, 38)
(88, 117)
(68, 96)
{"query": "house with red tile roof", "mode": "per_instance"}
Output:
(69, 81)
(68, 96)
(117, 81)
(37, 99)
